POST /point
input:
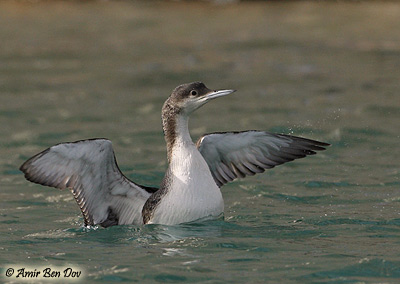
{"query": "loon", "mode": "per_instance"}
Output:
(190, 190)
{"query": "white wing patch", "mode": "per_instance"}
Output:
(232, 155)
(89, 169)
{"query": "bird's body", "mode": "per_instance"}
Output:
(190, 189)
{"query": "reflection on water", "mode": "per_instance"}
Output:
(70, 71)
(165, 234)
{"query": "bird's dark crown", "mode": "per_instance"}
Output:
(195, 89)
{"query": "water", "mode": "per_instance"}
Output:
(326, 71)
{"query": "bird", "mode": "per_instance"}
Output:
(191, 187)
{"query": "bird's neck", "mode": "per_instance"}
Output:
(176, 129)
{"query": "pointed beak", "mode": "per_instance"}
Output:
(216, 94)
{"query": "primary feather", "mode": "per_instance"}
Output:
(89, 169)
(232, 155)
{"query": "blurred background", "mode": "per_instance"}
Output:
(326, 70)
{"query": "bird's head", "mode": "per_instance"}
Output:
(187, 98)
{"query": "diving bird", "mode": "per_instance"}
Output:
(190, 189)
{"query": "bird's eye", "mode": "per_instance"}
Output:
(193, 93)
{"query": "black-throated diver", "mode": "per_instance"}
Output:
(190, 189)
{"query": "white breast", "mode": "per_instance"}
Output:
(192, 193)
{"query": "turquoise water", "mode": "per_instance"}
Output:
(70, 71)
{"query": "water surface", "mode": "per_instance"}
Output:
(326, 71)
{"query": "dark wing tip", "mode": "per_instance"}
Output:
(24, 167)
(36, 175)
(321, 144)
(27, 164)
(310, 143)
(318, 143)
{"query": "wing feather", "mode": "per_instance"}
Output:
(89, 169)
(232, 155)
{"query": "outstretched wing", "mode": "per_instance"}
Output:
(232, 155)
(88, 167)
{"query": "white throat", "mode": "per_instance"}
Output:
(192, 193)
